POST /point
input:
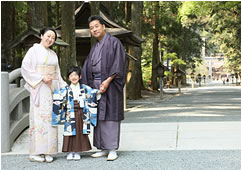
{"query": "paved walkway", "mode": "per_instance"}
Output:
(198, 130)
(203, 118)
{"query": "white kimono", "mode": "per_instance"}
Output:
(43, 137)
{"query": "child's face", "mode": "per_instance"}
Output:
(74, 78)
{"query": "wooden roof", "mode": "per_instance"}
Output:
(31, 36)
(82, 28)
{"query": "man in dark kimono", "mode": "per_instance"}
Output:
(105, 69)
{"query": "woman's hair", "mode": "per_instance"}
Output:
(95, 17)
(72, 69)
(44, 30)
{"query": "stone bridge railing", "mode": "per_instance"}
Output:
(14, 108)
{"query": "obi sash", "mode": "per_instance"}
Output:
(47, 70)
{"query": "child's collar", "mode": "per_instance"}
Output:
(74, 84)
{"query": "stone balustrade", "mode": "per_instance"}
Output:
(14, 108)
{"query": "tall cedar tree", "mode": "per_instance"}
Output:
(155, 52)
(68, 54)
(134, 75)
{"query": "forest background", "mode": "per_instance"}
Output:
(173, 33)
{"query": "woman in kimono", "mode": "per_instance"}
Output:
(40, 69)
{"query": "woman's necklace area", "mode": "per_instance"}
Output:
(47, 57)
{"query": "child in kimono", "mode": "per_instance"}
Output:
(77, 106)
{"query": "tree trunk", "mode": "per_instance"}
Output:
(141, 23)
(37, 14)
(128, 11)
(58, 16)
(7, 34)
(155, 52)
(68, 54)
(134, 75)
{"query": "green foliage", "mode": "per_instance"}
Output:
(175, 61)
(178, 63)
(51, 5)
(168, 74)
(221, 21)
(146, 59)
(119, 14)
(21, 8)
(194, 12)
(176, 41)
(146, 74)
(170, 56)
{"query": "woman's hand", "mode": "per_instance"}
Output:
(47, 80)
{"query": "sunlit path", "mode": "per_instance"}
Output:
(206, 103)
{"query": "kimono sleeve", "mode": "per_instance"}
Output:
(92, 101)
(29, 63)
(84, 72)
(59, 106)
(118, 66)
(69, 126)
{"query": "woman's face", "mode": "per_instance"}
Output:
(48, 39)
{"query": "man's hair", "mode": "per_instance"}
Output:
(95, 17)
(72, 69)
(44, 30)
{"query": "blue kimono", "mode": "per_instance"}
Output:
(63, 108)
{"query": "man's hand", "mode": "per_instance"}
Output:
(105, 84)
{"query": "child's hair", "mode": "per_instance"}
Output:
(72, 69)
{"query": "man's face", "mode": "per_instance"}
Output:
(97, 30)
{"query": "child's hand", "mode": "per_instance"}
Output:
(98, 95)
(52, 88)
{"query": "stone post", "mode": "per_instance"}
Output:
(161, 89)
(124, 96)
(179, 87)
(5, 117)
